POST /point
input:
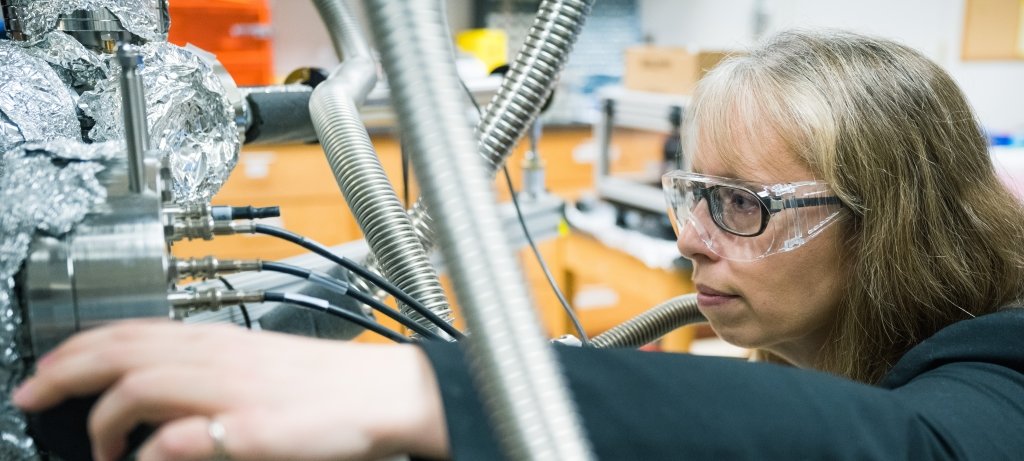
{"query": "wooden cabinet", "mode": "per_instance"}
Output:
(993, 29)
(299, 180)
(626, 284)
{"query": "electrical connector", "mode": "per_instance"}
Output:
(211, 267)
(187, 302)
(230, 213)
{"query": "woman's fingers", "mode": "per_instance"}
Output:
(277, 396)
(153, 396)
(95, 360)
(123, 332)
(186, 439)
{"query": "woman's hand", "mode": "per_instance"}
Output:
(277, 396)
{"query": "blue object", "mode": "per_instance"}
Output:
(3, 29)
(1006, 140)
(1000, 140)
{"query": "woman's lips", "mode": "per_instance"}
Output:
(709, 297)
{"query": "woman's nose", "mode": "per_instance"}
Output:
(690, 243)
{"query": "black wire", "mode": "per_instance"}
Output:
(361, 271)
(344, 289)
(522, 222)
(544, 267)
(241, 306)
(328, 308)
(479, 112)
(323, 280)
(405, 174)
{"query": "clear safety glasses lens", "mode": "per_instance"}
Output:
(744, 221)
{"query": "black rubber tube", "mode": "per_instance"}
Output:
(279, 117)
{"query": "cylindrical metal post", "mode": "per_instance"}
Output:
(133, 107)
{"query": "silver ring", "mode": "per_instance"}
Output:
(218, 434)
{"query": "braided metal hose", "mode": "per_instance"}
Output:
(526, 86)
(515, 370)
(531, 77)
(653, 324)
(388, 229)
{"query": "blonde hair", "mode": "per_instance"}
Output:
(932, 236)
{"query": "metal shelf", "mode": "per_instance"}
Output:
(621, 107)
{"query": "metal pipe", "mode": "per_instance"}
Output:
(133, 108)
(357, 71)
(528, 84)
(652, 324)
(531, 78)
(389, 231)
(522, 387)
(346, 34)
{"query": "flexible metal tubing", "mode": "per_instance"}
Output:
(346, 33)
(388, 229)
(523, 390)
(653, 324)
(527, 85)
(531, 78)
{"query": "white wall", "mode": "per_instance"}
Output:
(996, 89)
(301, 40)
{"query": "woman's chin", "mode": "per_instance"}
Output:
(738, 337)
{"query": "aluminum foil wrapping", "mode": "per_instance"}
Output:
(45, 187)
(74, 63)
(35, 105)
(136, 16)
(189, 118)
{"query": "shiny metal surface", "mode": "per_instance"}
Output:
(35, 105)
(373, 201)
(133, 108)
(185, 303)
(98, 30)
(120, 263)
(234, 94)
(46, 188)
(191, 121)
(527, 85)
(13, 20)
(48, 289)
(113, 266)
(647, 327)
(531, 78)
(98, 24)
(520, 382)
(210, 267)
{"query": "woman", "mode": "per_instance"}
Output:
(842, 215)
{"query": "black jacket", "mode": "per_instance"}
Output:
(956, 395)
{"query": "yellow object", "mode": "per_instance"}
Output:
(563, 228)
(488, 45)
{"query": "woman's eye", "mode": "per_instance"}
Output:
(742, 202)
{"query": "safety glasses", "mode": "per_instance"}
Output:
(751, 220)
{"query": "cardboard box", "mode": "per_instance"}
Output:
(993, 29)
(667, 70)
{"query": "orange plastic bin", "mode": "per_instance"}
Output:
(238, 32)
